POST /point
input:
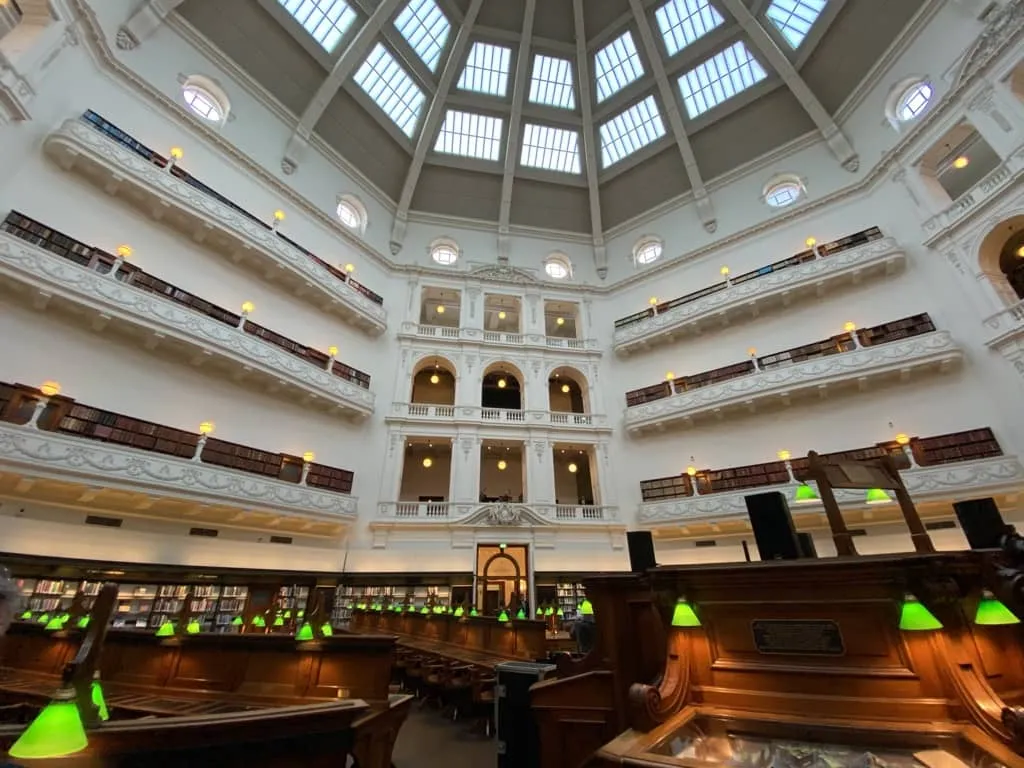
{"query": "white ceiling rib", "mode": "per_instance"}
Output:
(589, 139)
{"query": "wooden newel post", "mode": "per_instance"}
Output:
(918, 533)
(840, 533)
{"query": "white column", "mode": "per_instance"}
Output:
(992, 122)
(469, 380)
(535, 388)
(472, 312)
(601, 477)
(465, 480)
(533, 314)
(540, 473)
(414, 309)
(394, 465)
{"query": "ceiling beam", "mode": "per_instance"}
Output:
(431, 124)
(144, 22)
(346, 64)
(765, 43)
(589, 139)
(519, 89)
(705, 211)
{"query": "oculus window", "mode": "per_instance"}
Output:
(914, 101)
(470, 135)
(553, 149)
(647, 251)
(683, 22)
(325, 20)
(551, 82)
(444, 252)
(557, 266)
(391, 88)
(630, 130)
(203, 103)
(425, 28)
(783, 192)
(719, 79)
(616, 66)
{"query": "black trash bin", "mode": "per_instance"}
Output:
(518, 740)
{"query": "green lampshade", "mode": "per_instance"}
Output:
(549, 611)
(521, 614)
(424, 609)
(287, 614)
(559, 612)
(99, 700)
(300, 614)
(683, 615)
(26, 615)
(305, 632)
(438, 609)
(259, 621)
(166, 630)
(474, 612)
(586, 609)
(540, 611)
(57, 622)
(193, 627)
(56, 732)
(326, 629)
(237, 621)
(805, 494)
(44, 619)
(279, 621)
(83, 622)
(459, 612)
(914, 617)
(503, 616)
(992, 612)
(876, 496)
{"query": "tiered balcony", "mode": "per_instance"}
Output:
(71, 454)
(857, 359)
(169, 321)
(865, 255)
(938, 469)
(1006, 328)
(1006, 175)
(444, 334)
(474, 414)
(415, 513)
(158, 186)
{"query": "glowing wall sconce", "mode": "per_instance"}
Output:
(586, 608)
(350, 268)
(683, 615)
(993, 612)
(915, 617)
(502, 617)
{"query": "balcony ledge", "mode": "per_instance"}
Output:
(424, 413)
(962, 480)
(39, 455)
(819, 376)
(163, 322)
(76, 146)
(749, 299)
(412, 514)
(442, 333)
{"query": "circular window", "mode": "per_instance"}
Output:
(557, 266)
(647, 251)
(444, 252)
(203, 103)
(350, 215)
(783, 193)
(914, 101)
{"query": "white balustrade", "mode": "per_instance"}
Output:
(510, 416)
(444, 332)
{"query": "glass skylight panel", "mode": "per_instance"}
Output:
(630, 130)
(684, 21)
(470, 135)
(391, 88)
(486, 69)
(425, 28)
(794, 18)
(551, 82)
(326, 20)
(719, 78)
(553, 149)
(616, 66)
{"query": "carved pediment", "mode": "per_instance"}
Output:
(505, 515)
(504, 273)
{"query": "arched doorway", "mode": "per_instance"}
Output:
(1001, 260)
(502, 579)
(433, 382)
(1011, 262)
(502, 387)
(567, 391)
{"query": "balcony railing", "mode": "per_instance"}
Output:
(427, 512)
(510, 416)
(1006, 325)
(918, 452)
(987, 189)
(104, 263)
(449, 333)
(160, 185)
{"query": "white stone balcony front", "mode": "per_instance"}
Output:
(70, 471)
(857, 369)
(734, 301)
(976, 199)
(442, 333)
(474, 414)
(500, 514)
(80, 146)
(167, 328)
(1006, 331)
(942, 484)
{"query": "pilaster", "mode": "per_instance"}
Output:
(465, 480)
(540, 471)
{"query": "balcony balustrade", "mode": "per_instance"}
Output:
(474, 414)
(108, 156)
(493, 513)
(445, 333)
(985, 191)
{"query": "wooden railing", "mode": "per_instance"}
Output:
(926, 451)
(100, 261)
(818, 252)
(844, 342)
(18, 404)
(114, 133)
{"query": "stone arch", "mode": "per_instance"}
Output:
(999, 262)
(577, 399)
(434, 380)
(491, 391)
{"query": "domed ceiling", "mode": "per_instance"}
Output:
(569, 115)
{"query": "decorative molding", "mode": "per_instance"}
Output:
(977, 200)
(51, 275)
(819, 375)
(963, 480)
(505, 274)
(1003, 25)
(37, 454)
(876, 258)
(462, 336)
(75, 142)
(506, 417)
(414, 514)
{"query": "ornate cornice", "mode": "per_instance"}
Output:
(936, 348)
(949, 481)
(52, 456)
(52, 275)
(75, 140)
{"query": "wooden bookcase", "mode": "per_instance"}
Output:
(959, 446)
(896, 330)
(738, 478)
(662, 488)
(242, 457)
(115, 428)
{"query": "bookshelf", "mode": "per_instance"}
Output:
(665, 488)
(168, 604)
(134, 605)
(349, 595)
(959, 446)
(234, 600)
(114, 428)
(234, 456)
(904, 328)
(738, 478)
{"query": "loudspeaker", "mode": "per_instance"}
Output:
(773, 526)
(983, 525)
(641, 550)
(518, 737)
(806, 543)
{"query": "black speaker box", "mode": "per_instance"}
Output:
(983, 525)
(641, 550)
(773, 526)
(806, 543)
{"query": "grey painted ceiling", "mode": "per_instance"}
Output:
(847, 39)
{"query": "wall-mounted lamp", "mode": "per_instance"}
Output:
(724, 271)
(914, 617)
(992, 612)
(332, 351)
(784, 455)
(248, 307)
(902, 439)
(278, 218)
(206, 428)
(124, 251)
(810, 242)
(669, 376)
(653, 301)
(50, 388)
(308, 457)
(683, 615)
(176, 154)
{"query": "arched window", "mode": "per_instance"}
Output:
(908, 100)
(204, 98)
(444, 252)
(647, 250)
(783, 191)
(351, 213)
(557, 266)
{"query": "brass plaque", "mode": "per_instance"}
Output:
(812, 637)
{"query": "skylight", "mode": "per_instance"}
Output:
(391, 88)
(326, 20)
(719, 78)
(794, 18)
(553, 149)
(425, 28)
(682, 22)
(551, 82)
(486, 69)
(470, 135)
(616, 66)
(628, 131)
